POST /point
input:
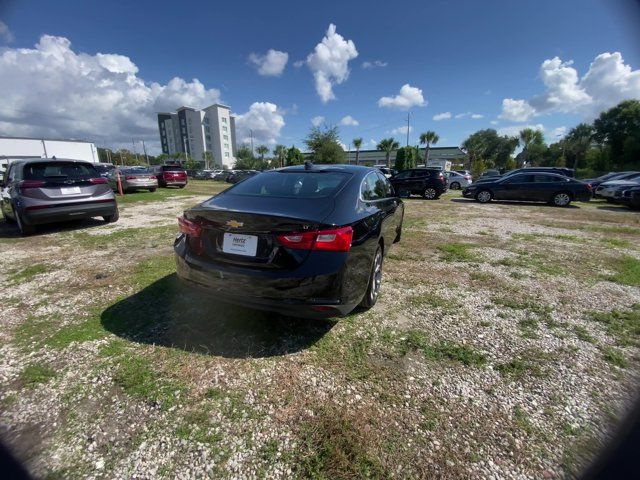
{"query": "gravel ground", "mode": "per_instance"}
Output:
(493, 352)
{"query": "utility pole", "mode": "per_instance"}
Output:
(408, 113)
(144, 148)
(134, 149)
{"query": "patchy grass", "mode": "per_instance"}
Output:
(457, 252)
(28, 274)
(615, 357)
(442, 350)
(623, 326)
(617, 242)
(627, 270)
(36, 374)
(530, 363)
(583, 334)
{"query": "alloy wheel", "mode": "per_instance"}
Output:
(376, 275)
(455, 186)
(430, 193)
(484, 196)
(561, 199)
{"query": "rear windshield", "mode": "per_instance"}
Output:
(134, 170)
(57, 170)
(104, 168)
(298, 184)
(172, 168)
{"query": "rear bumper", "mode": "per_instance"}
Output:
(293, 293)
(65, 213)
(142, 184)
(173, 183)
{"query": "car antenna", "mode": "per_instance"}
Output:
(308, 165)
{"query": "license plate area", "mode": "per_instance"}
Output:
(239, 244)
(70, 190)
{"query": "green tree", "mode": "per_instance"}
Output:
(428, 138)
(294, 156)
(406, 158)
(495, 151)
(192, 164)
(357, 143)
(280, 155)
(619, 129)
(388, 145)
(207, 157)
(531, 141)
(262, 150)
(578, 141)
(324, 144)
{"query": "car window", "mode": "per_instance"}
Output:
(49, 170)
(420, 173)
(372, 188)
(291, 184)
(518, 178)
(172, 168)
(401, 175)
(538, 178)
(386, 186)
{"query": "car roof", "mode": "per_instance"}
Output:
(354, 169)
(46, 159)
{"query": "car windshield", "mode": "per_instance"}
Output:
(292, 184)
(174, 168)
(53, 170)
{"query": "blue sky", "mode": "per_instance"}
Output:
(465, 57)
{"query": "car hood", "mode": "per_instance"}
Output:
(619, 183)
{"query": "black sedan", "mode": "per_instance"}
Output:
(307, 241)
(552, 188)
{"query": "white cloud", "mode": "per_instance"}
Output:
(442, 116)
(375, 64)
(516, 110)
(53, 91)
(317, 121)
(558, 132)
(494, 122)
(299, 63)
(5, 34)
(401, 130)
(329, 62)
(408, 97)
(265, 121)
(373, 143)
(607, 82)
(472, 115)
(514, 130)
(270, 64)
(349, 121)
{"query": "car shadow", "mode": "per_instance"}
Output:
(170, 314)
(10, 230)
(513, 202)
(614, 208)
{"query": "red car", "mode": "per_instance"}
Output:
(170, 175)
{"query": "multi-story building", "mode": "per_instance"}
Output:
(197, 132)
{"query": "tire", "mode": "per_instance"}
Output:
(375, 280)
(484, 196)
(561, 199)
(152, 190)
(181, 186)
(22, 228)
(430, 193)
(455, 186)
(112, 218)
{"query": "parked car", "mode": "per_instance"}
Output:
(240, 175)
(43, 190)
(222, 176)
(567, 172)
(133, 179)
(595, 182)
(456, 180)
(607, 189)
(388, 172)
(463, 172)
(104, 168)
(490, 174)
(428, 182)
(307, 241)
(552, 188)
(631, 197)
(170, 175)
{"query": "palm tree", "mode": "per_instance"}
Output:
(357, 143)
(528, 137)
(579, 139)
(280, 152)
(388, 145)
(428, 138)
(262, 150)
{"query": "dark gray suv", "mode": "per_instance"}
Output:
(43, 190)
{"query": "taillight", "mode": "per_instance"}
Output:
(98, 180)
(152, 177)
(130, 177)
(442, 179)
(31, 184)
(334, 240)
(190, 228)
(589, 187)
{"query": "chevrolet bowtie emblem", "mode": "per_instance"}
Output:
(234, 224)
